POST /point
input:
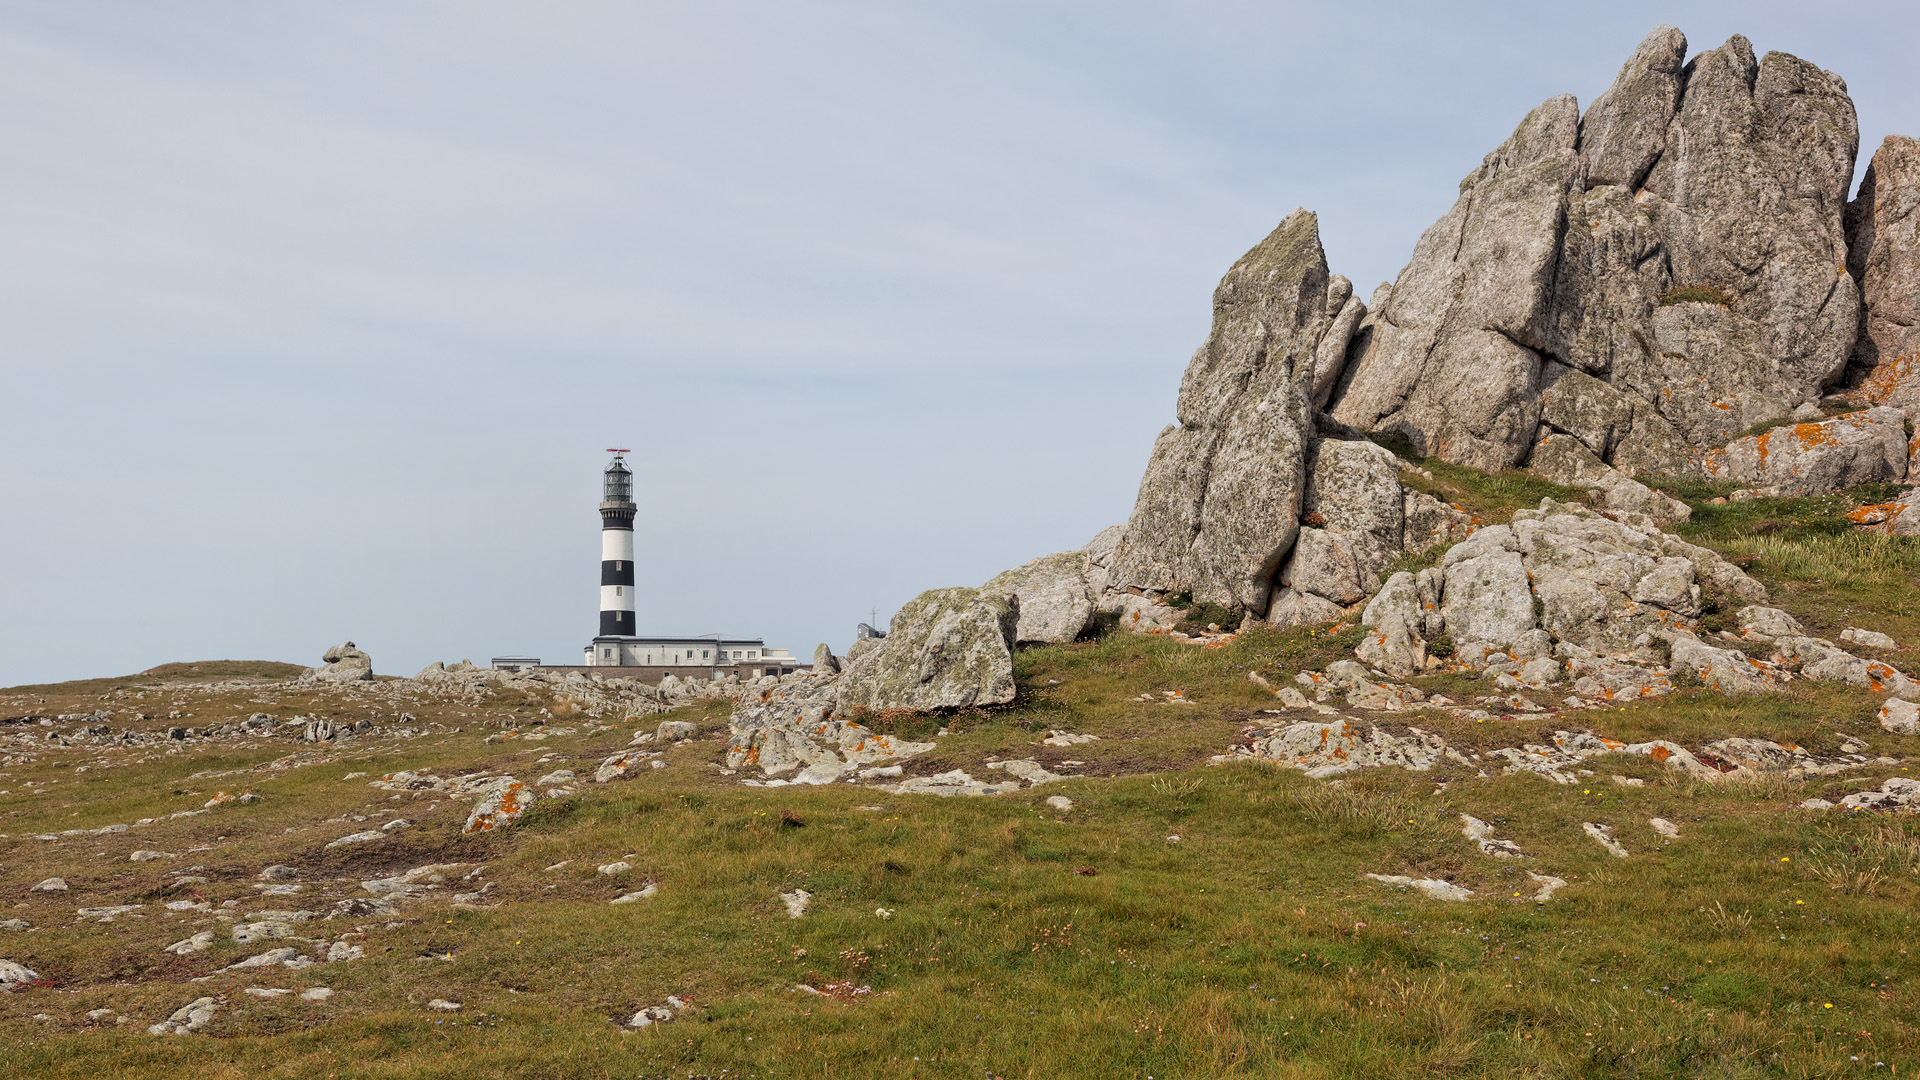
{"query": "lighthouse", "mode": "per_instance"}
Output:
(619, 650)
(616, 549)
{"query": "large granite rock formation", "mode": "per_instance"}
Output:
(1651, 278)
(1243, 503)
(1054, 598)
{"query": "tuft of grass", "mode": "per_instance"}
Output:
(1696, 294)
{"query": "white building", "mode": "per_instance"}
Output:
(700, 656)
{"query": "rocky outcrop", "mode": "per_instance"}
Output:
(344, 663)
(946, 649)
(1054, 599)
(1649, 279)
(1219, 505)
(790, 731)
(1883, 256)
(1815, 458)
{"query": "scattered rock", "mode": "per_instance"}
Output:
(15, 924)
(1894, 792)
(1667, 829)
(790, 727)
(443, 1005)
(1868, 638)
(796, 902)
(501, 804)
(279, 872)
(188, 1018)
(148, 856)
(613, 868)
(1548, 886)
(316, 993)
(15, 975)
(356, 838)
(1481, 834)
(1900, 717)
(954, 782)
(1337, 747)
(52, 884)
(1068, 738)
(1059, 802)
(634, 897)
(674, 730)
(1433, 888)
(199, 942)
(1603, 835)
(621, 766)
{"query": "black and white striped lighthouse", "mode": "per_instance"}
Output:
(616, 549)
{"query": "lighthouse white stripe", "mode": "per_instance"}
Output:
(616, 598)
(616, 544)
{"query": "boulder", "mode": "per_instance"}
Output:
(1883, 257)
(14, 975)
(1054, 599)
(824, 662)
(344, 663)
(1394, 619)
(1816, 458)
(946, 649)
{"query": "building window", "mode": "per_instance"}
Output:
(704, 653)
(753, 654)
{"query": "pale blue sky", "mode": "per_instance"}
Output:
(315, 318)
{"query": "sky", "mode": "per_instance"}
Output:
(316, 319)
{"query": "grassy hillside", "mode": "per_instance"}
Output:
(1182, 919)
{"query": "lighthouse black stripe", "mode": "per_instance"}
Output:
(617, 518)
(616, 624)
(616, 572)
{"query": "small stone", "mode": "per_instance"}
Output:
(1665, 828)
(316, 993)
(199, 942)
(796, 902)
(148, 856)
(674, 730)
(356, 838)
(1853, 635)
(651, 1015)
(15, 924)
(1603, 835)
(97, 1015)
(443, 1005)
(188, 1018)
(52, 884)
(635, 897)
(278, 872)
(612, 868)
(1059, 802)
(1431, 887)
(265, 992)
(1548, 886)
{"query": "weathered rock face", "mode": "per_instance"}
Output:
(1564, 459)
(1883, 255)
(1812, 459)
(1054, 598)
(1650, 279)
(1220, 502)
(345, 663)
(1454, 360)
(946, 649)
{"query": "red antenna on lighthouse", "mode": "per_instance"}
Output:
(611, 450)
